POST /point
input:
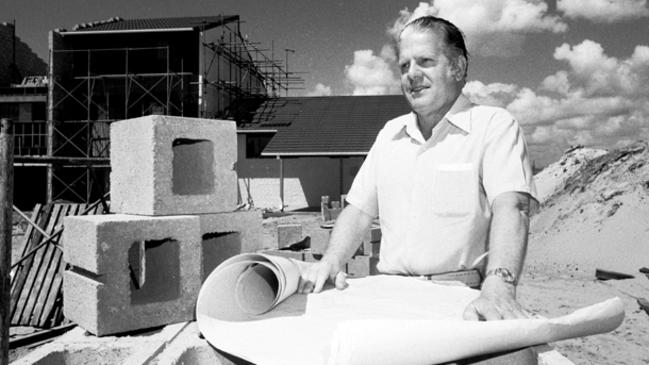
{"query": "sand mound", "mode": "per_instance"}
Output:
(594, 214)
(552, 178)
(598, 215)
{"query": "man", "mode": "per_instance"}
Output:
(448, 181)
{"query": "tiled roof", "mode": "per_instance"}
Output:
(332, 125)
(117, 24)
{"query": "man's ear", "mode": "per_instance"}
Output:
(459, 68)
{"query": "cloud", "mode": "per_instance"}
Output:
(496, 94)
(600, 75)
(598, 100)
(492, 27)
(371, 74)
(320, 90)
(604, 11)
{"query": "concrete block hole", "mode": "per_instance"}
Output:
(193, 167)
(218, 247)
(154, 268)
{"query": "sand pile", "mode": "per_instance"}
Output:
(594, 215)
(597, 213)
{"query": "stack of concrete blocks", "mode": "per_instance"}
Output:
(367, 257)
(174, 195)
(331, 210)
(362, 264)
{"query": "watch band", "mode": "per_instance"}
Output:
(504, 274)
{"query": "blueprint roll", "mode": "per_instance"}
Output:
(246, 286)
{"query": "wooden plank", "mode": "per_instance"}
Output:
(46, 272)
(41, 270)
(48, 311)
(21, 316)
(20, 273)
(51, 287)
(26, 268)
(36, 213)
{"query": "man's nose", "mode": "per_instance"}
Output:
(413, 71)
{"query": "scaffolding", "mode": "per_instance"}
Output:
(95, 79)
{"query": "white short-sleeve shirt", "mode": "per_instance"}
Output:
(433, 198)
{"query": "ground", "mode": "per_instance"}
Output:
(552, 285)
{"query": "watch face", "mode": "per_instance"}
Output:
(504, 274)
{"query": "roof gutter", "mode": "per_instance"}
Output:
(126, 31)
(313, 154)
(251, 131)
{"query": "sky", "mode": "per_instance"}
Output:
(572, 72)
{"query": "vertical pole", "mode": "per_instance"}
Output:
(6, 205)
(342, 177)
(49, 192)
(281, 183)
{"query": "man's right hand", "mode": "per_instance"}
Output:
(314, 276)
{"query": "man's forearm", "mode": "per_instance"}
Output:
(347, 234)
(508, 233)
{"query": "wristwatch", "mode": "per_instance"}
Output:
(504, 274)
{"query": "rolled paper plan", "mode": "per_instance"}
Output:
(246, 308)
(246, 286)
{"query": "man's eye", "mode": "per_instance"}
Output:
(427, 62)
(403, 67)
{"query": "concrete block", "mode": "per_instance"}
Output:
(362, 266)
(370, 249)
(373, 235)
(319, 240)
(164, 165)
(296, 255)
(288, 234)
(224, 235)
(324, 208)
(130, 272)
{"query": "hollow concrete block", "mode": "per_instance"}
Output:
(130, 272)
(224, 235)
(165, 165)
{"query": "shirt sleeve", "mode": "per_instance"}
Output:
(505, 165)
(363, 192)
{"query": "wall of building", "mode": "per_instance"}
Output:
(29, 64)
(306, 179)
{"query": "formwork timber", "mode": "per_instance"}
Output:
(36, 295)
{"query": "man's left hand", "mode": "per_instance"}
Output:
(496, 301)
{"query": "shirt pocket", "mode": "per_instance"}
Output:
(454, 189)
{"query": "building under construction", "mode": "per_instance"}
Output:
(118, 69)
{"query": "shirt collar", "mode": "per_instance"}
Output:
(459, 115)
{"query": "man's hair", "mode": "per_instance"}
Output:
(452, 35)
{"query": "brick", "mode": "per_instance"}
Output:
(224, 235)
(164, 165)
(288, 234)
(130, 272)
(362, 266)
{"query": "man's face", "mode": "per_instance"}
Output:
(428, 78)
